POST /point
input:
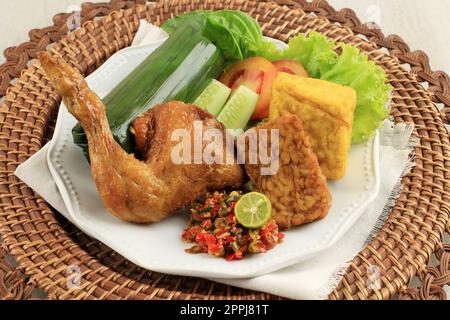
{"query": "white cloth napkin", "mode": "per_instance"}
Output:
(312, 279)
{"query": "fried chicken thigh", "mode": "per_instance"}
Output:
(141, 191)
(153, 135)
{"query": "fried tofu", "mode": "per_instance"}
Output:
(298, 189)
(326, 111)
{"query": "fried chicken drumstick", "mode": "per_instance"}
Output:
(132, 190)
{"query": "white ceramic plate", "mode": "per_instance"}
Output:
(159, 247)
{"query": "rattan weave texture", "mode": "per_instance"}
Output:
(45, 245)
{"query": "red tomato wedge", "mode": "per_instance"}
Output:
(290, 66)
(258, 75)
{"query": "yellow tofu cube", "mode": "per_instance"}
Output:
(326, 110)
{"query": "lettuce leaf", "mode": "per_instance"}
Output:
(350, 68)
(314, 52)
(237, 34)
(355, 70)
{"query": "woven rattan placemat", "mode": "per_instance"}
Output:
(45, 245)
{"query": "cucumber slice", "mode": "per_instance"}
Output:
(239, 108)
(213, 98)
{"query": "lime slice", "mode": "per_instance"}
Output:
(253, 210)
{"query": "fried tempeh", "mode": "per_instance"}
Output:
(298, 191)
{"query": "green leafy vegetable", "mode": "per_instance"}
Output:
(351, 68)
(314, 52)
(355, 70)
(234, 32)
(239, 36)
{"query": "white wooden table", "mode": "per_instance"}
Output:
(424, 25)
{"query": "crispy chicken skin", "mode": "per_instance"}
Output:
(153, 135)
(298, 190)
(132, 190)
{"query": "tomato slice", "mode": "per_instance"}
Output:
(257, 74)
(290, 66)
